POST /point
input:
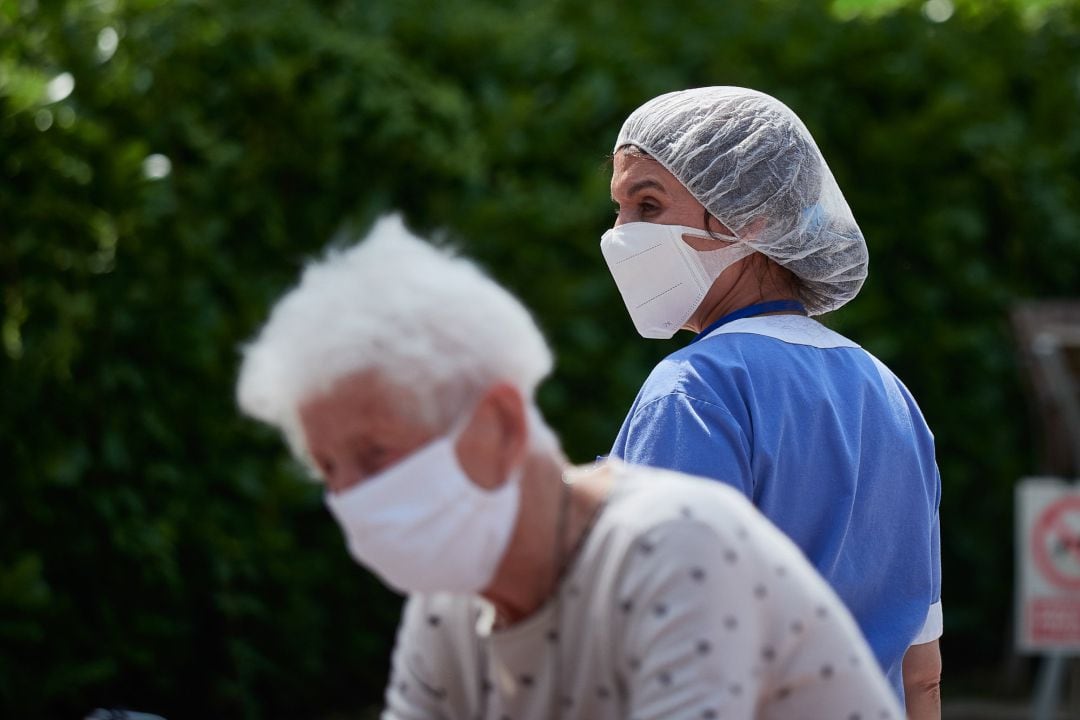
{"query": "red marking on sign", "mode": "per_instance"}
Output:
(1055, 540)
(1054, 620)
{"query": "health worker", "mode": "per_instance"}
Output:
(730, 225)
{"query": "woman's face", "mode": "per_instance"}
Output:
(644, 191)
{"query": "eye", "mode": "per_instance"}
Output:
(648, 208)
(372, 459)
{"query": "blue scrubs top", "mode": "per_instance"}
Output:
(827, 443)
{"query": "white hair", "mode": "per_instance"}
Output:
(422, 318)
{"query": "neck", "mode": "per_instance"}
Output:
(530, 570)
(755, 279)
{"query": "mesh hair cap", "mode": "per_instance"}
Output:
(752, 164)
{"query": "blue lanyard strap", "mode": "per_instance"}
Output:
(752, 310)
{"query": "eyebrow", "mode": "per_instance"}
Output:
(641, 185)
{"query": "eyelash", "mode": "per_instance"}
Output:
(645, 207)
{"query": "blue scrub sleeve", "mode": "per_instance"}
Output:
(935, 545)
(679, 432)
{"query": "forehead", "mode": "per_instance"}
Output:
(632, 172)
(357, 406)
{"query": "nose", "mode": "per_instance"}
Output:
(338, 484)
(622, 217)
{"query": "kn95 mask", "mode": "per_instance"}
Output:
(663, 280)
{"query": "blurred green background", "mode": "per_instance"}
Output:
(168, 167)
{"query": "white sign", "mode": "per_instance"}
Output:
(1047, 565)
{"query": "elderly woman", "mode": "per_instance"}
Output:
(731, 225)
(405, 378)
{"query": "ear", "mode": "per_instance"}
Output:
(512, 424)
(753, 228)
(496, 439)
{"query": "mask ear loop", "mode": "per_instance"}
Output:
(714, 262)
(719, 260)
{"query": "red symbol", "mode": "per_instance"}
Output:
(1056, 542)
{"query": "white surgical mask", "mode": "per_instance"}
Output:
(661, 279)
(423, 526)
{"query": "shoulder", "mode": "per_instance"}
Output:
(794, 346)
(793, 331)
(657, 514)
(736, 352)
(671, 513)
(702, 569)
(647, 497)
(700, 371)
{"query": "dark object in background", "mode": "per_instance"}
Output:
(1048, 335)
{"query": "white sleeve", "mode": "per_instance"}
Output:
(933, 626)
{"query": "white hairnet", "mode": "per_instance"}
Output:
(751, 162)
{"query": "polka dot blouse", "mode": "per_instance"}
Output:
(684, 602)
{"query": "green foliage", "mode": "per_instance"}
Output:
(160, 552)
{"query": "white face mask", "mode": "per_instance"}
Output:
(661, 279)
(423, 526)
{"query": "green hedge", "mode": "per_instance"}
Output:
(160, 552)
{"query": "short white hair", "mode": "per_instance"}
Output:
(421, 317)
